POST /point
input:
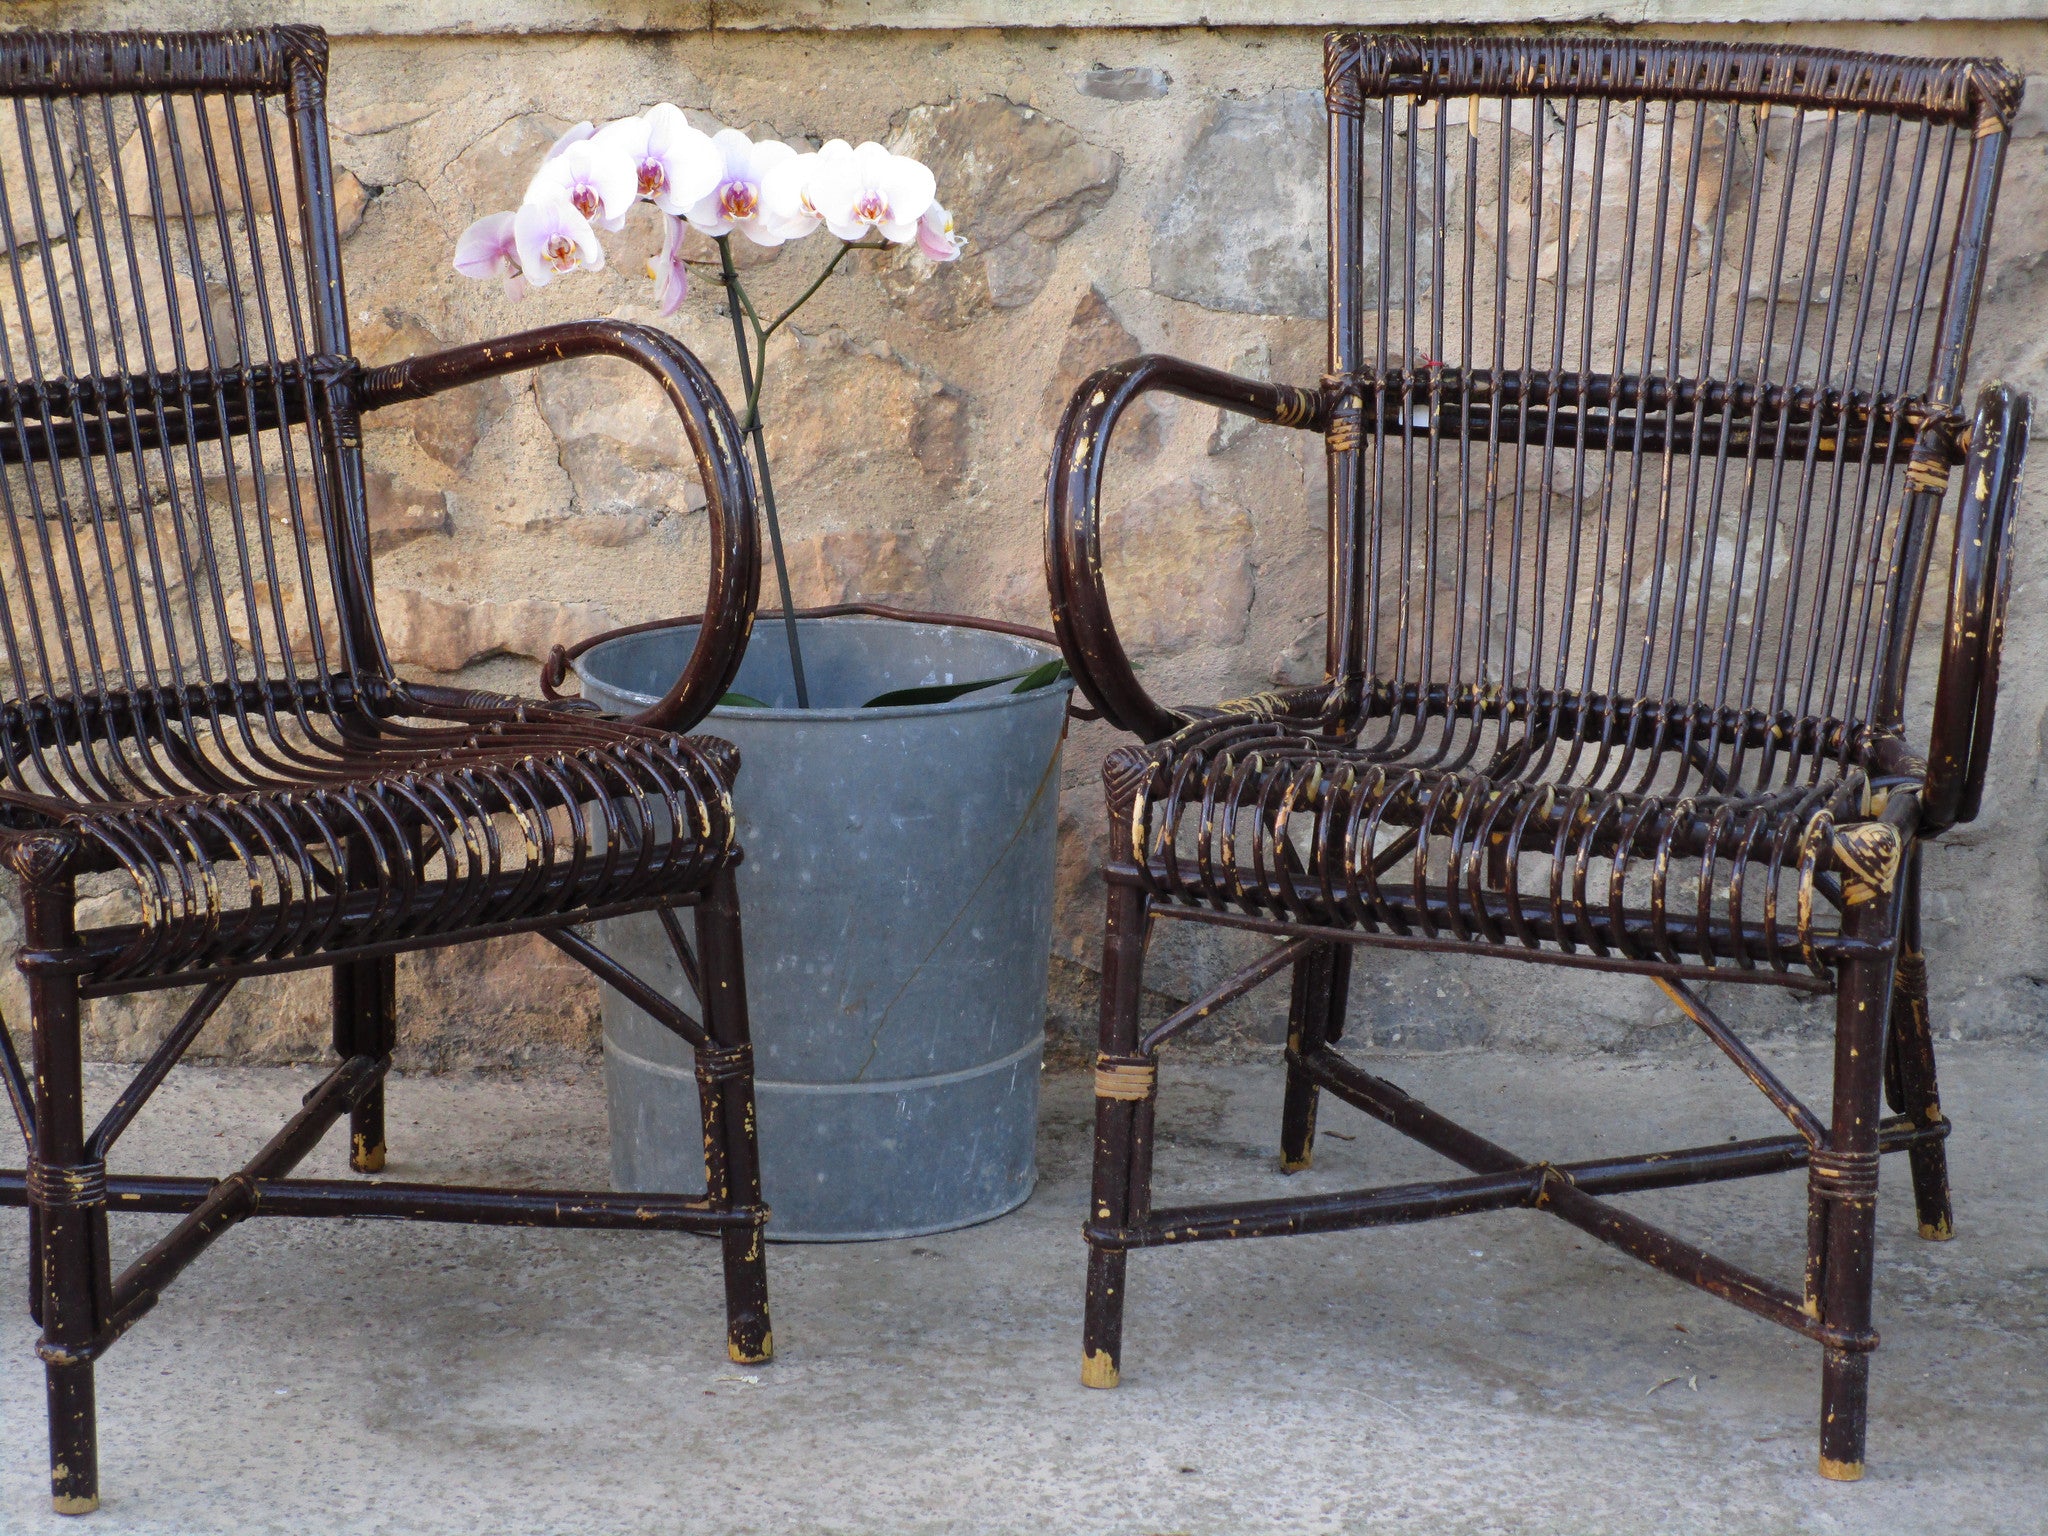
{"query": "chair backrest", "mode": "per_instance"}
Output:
(183, 567)
(1656, 351)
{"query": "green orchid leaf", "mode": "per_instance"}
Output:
(1042, 677)
(944, 693)
(936, 693)
(743, 701)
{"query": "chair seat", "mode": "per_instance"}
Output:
(411, 834)
(1259, 813)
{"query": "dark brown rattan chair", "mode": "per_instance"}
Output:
(1645, 393)
(200, 715)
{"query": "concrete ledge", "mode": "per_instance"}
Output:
(356, 18)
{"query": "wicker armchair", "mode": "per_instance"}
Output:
(1645, 394)
(199, 709)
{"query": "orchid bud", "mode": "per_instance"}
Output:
(935, 235)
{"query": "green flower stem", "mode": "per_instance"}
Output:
(736, 300)
(753, 375)
(730, 276)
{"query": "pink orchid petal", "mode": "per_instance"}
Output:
(785, 201)
(671, 276)
(674, 165)
(738, 202)
(872, 191)
(553, 239)
(593, 176)
(935, 235)
(486, 248)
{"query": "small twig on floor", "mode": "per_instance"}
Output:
(1340, 1135)
(1369, 1397)
(1664, 1383)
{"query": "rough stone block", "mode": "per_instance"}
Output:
(446, 634)
(1017, 183)
(1179, 565)
(622, 447)
(1096, 338)
(1129, 82)
(446, 426)
(1245, 229)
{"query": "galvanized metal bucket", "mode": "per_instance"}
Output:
(896, 896)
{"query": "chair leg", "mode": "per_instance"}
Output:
(1842, 1191)
(69, 1193)
(366, 1024)
(1315, 1017)
(725, 1090)
(35, 1266)
(1910, 1081)
(1126, 1093)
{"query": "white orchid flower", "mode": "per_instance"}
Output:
(487, 249)
(873, 190)
(569, 136)
(674, 165)
(734, 202)
(935, 235)
(671, 276)
(786, 190)
(594, 179)
(553, 239)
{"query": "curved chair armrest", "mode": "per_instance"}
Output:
(735, 587)
(1980, 575)
(1073, 549)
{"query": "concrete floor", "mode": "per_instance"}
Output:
(1495, 1374)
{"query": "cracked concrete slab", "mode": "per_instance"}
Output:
(1496, 1374)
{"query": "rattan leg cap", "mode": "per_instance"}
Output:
(1297, 1164)
(1841, 1471)
(1938, 1231)
(741, 1355)
(74, 1504)
(1098, 1369)
(366, 1159)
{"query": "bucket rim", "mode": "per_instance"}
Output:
(971, 704)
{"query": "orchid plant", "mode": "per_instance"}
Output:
(721, 185)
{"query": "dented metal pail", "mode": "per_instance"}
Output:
(896, 899)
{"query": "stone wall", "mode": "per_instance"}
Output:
(1123, 189)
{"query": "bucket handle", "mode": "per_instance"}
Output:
(554, 671)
